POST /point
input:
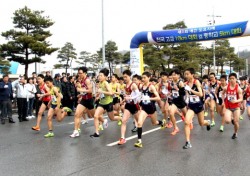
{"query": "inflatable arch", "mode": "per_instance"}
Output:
(239, 29)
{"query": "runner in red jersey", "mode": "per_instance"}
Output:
(131, 106)
(248, 99)
(45, 98)
(232, 97)
(87, 102)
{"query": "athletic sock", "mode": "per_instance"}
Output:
(139, 132)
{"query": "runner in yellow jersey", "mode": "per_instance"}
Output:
(55, 102)
(116, 94)
(104, 93)
(122, 88)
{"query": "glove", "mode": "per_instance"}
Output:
(187, 88)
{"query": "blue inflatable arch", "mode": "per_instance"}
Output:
(239, 29)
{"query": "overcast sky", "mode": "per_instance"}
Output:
(79, 21)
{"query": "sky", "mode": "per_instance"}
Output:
(80, 21)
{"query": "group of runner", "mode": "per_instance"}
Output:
(137, 96)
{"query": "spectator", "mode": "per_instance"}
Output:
(31, 95)
(34, 75)
(6, 96)
(72, 92)
(22, 98)
(47, 75)
(57, 81)
(65, 92)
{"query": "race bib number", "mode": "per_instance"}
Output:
(220, 94)
(175, 93)
(53, 99)
(231, 97)
(102, 96)
(145, 100)
(194, 99)
(164, 91)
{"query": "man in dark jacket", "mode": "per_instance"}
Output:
(6, 96)
(72, 92)
(57, 81)
(65, 92)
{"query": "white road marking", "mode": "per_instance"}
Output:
(88, 120)
(135, 136)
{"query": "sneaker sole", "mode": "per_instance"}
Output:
(35, 129)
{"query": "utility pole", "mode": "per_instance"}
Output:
(213, 23)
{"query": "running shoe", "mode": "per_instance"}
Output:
(101, 127)
(212, 124)
(105, 123)
(36, 128)
(175, 131)
(66, 109)
(75, 134)
(138, 144)
(209, 125)
(49, 134)
(241, 117)
(206, 114)
(95, 135)
(187, 145)
(234, 136)
(122, 141)
(163, 125)
(134, 129)
(119, 123)
(191, 126)
(221, 128)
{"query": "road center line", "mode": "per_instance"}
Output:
(135, 136)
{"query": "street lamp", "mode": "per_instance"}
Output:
(103, 45)
(213, 23)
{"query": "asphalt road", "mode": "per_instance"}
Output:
(27, 153)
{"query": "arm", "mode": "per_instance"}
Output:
(153, 90)
(216, 91)
(58, 96)
(109, 92)
(118, 89)
(34, 89)
(47, 90)
(223, 95)
(199, 93)
(1, 85)
(182, 89)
